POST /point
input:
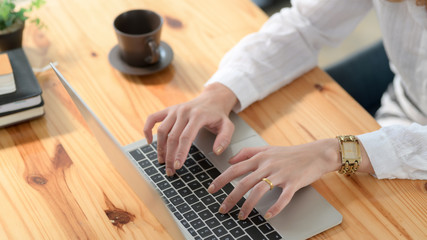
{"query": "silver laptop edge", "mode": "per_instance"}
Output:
(306, 215)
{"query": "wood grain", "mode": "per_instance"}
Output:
(55, 181)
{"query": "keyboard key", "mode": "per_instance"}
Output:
(185, 223)
(177, 200)
(235, 214)
(184, 191)
(229, 224)
(213, 222)
(245, 238)
(258, 220)
(204, 232)
(274, 235)
(187, 177)
(150, 171)
(172, 178)
(189, 162)
(219, 231)
(184, 207)
(253, 213)
(197, 223)
(136, 154)
(201, 192)
(152, 156)
(211, 238)
(227, 237)
(193, 149)
(240, 202)
(206, 214)
(154, 145)
(214, 207)
(202, 176)
(207, 183)
(266, 228)
(198, 156)
(221, 198)
(162, 170)
(178, 215)
(221, 217)
(192, 232)
(183, 170)
(144, 163)
(169, 193)
(255, 233)
(208, 200)
(194, 185)
(178, 184)
(245, 223)
(163, 185)
(190, 199)
(206, 164)
(198, 206)
(157, 177)
(146, 149)
(228, 188)
(190, 215)
(214, 173)
(195, 169)
(236, 232)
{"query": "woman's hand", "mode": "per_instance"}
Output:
(289, 168)
(181, 123)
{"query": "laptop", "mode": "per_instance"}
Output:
(182, 204)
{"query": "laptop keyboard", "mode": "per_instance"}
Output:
(187, 198)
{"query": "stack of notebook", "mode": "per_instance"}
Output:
(20, 92)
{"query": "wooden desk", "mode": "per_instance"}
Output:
(56, 183)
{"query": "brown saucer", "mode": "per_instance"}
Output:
(166, 56)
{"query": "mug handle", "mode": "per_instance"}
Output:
(155, 53)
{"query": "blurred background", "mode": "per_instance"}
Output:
(366, 33)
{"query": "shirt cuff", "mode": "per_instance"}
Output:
(382, 155)
(239, 83)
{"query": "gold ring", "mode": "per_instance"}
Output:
(269, 183)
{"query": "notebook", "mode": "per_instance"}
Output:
(182, 204)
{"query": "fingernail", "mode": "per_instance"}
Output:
(219, 150)
(241, 215)
(177, 165)
(268, 215)
(222, 209)
(160, 159)
(169, 172)
(211, 188)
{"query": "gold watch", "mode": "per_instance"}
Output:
(350, 154)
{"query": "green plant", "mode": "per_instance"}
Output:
(10, 16)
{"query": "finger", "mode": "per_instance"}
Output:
(162, 137)
(229, 174)
(186, 140)
(172, 144)
(223, 138)
(241, 189)
(245, 154)
(281, 203)
(256, 194)
(151, 121)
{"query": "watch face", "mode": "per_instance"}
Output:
(350, 150)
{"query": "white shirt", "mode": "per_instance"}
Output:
(288, 44)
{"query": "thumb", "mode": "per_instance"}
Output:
(223, 138)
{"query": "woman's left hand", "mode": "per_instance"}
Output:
(289, 168)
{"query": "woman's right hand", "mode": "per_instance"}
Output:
(181, 123)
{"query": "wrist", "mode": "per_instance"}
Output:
(331, 157)
(220, 95)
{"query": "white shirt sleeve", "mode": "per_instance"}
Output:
(398, 151)
(286, 47)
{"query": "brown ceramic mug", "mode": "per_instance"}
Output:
(138, 33)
